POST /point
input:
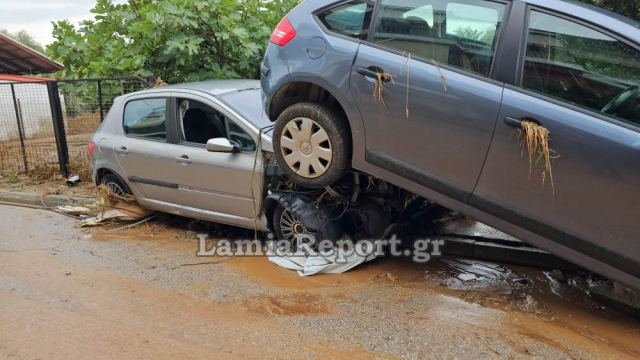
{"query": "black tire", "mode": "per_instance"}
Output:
(113, 183)
(339, 144)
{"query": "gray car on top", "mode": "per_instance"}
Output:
(431, 95)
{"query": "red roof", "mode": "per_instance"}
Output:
(20, 78)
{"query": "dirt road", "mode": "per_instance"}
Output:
(67, 293)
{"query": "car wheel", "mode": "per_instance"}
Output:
(287, 225)
(114, 184)
(312, 144)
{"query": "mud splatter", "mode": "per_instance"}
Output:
(290, 305)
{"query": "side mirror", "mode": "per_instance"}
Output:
(222, 145)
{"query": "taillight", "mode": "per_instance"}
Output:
(91, 149)
(283, 33)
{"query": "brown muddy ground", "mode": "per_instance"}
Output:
(48, 183)
(142, 293)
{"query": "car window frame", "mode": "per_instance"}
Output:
(215, 105)
(167, 117)
(491, 78)
(180, 128)
(316, 17)
(517, 85)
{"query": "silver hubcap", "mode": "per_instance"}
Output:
(291, 226)
(306, 148)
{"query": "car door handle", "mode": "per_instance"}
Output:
(516, 123)
(122, 150)
(371, 71)
(184, 159)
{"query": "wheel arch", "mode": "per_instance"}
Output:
(104, 171)
(317, 91)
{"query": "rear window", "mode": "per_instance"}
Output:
(350, 19)
(146, 118)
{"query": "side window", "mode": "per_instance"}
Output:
(146, 118)
(201, 123)
(350, 19)
(241, 137)
(582, 66)
(460, 33)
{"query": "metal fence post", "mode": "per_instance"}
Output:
(100, 101)
(58, 127)
(20, 128)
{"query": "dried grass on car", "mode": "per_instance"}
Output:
(443, 80)
(535, 139)
(384, 77)
(405, 67)
(378, 89)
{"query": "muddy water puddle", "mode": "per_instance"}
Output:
(536, 303)
(526, 295)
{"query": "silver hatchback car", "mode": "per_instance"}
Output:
(190, 150)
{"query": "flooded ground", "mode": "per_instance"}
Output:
(142, 292)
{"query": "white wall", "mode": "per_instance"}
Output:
(34, 105)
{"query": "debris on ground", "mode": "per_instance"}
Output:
(73, 180)
(118, 211)
(108, 206)
(335, 261)
(76, 210)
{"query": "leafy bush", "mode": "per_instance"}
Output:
(178, 40)
(628, 8)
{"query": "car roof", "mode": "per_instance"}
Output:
(621, 25)
(217, 87)
(242, 96)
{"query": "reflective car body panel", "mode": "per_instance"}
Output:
(458, 146)
(182, 178)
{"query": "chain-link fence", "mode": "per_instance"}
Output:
(46, 125)
(26, 128)
(85, 103)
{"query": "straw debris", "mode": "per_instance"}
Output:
(535, 139)
(158, 83)
(405, 66)
(106, 199)
(381, 79)
(443, 80)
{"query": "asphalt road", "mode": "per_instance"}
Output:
(68, 293)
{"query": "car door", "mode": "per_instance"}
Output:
(580, 84)
(144, 146)
(423, 85)
(223, 183)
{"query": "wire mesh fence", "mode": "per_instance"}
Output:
(26, 128)
(45, 126)
(85, 103)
